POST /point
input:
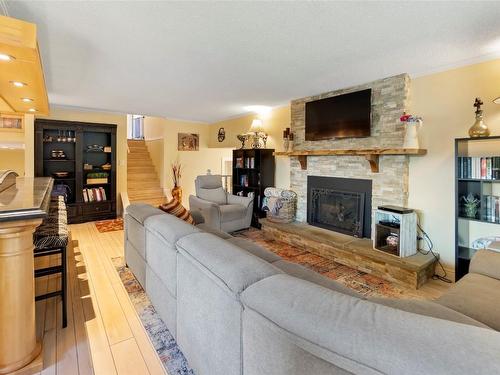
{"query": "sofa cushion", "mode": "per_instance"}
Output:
(162, 232)
(217, 195)
(176, 208)
(304, 273)
(207, 228)
(227, 264)
(428, 308)
(487, 263)
(255, 249)
(141, 211)
(231, 212)
(364, 337)
(476, 296)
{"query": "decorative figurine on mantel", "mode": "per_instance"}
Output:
(479, 129)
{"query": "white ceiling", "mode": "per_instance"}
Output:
(206, 61)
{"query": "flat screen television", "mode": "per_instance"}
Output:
(342, 116)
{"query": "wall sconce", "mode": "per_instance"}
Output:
(258, 135)
(496, 100)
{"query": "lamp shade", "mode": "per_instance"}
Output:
(257, 126)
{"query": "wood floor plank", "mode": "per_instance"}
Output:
(115, 322)
(82, 344)
(112, 246)
(102, 358)
(128, 358)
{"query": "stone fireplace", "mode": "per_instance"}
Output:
(388, 186)
(340, 204)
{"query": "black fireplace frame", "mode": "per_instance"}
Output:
(341, 184)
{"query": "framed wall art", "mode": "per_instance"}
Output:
(188, 142)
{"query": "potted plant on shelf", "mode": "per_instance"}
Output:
(471, 205)
(412, 125)
(176, 178)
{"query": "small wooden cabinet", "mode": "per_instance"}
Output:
(66, 146)
(253, 171)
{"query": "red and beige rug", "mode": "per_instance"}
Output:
(361, 282)
(109, 225)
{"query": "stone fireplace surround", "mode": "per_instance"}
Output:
(390, 186)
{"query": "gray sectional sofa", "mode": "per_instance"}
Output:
(236, 308)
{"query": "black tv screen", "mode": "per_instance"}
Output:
(342, 116)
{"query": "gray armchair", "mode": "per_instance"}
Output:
(220, 210)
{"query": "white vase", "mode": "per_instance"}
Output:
(411, 135)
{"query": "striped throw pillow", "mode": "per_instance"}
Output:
(175, 208)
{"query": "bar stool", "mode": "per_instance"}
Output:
(51, 238)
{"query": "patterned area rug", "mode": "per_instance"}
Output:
(361, 282)
(165, 345)
(109, 225)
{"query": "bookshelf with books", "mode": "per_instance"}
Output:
(477, 196)
(86, 163)
(253, 171)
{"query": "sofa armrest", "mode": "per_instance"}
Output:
(209, 210)
(487, 263)
(236, 199)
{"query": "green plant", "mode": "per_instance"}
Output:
(471, 205)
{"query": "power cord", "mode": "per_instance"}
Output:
(425, 237)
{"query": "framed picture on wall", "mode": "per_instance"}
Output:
(11, 122)
(188, 142)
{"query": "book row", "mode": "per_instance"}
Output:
(94, 194)
(487, 168)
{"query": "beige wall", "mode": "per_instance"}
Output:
(274, 124)
(444, 100)
(71, 114)
(193, 163)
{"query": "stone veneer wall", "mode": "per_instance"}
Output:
(390, 186)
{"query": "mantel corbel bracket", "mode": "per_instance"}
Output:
(373, 160)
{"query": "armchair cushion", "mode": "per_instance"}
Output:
(231, 212)
(217, 195)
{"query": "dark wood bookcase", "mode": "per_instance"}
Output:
(253, 171)
(77, 154)
(486, 222)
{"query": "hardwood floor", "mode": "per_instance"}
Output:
(104, 333)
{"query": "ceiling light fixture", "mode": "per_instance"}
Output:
(5, 57)
(32, 110)
(27, 100)
(18, 84)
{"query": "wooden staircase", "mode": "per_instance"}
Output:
(143, 184)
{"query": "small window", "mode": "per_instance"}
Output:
(137, 127)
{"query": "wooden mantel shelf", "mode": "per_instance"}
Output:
(371, 154)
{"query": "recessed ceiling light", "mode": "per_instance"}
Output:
(5, 57)
(32, 110)
(27, 100)
(18, 84)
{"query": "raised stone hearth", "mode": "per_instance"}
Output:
(356, 253)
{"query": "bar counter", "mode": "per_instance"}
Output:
(22, 208)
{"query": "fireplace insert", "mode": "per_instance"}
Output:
(340, 204)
